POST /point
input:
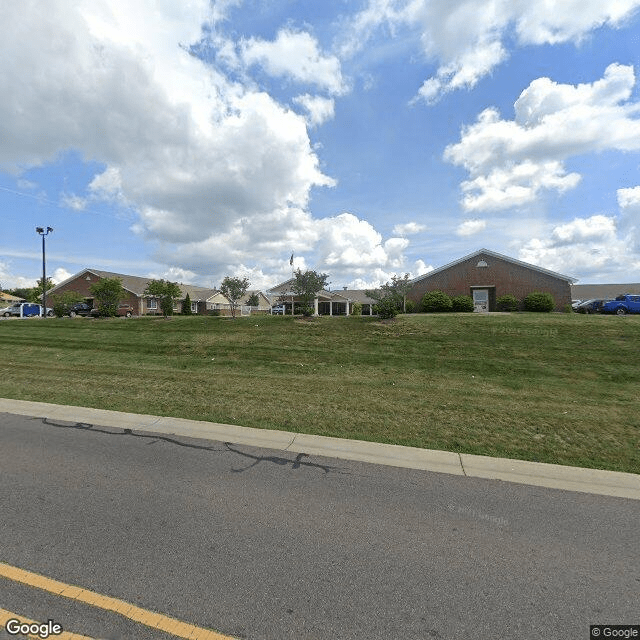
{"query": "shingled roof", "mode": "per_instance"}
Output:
(138, 284)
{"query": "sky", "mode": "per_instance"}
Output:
(200, 139)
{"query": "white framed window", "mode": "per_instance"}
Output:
(194, 307)
(152, 303)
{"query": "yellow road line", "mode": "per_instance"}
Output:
(5, 616)
(125, 609)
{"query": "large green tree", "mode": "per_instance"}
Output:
(166, 292)
(306, 285)
(107, 293)
(233, 289)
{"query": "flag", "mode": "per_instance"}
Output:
(291, 260)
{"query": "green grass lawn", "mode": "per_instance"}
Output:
(559, 388)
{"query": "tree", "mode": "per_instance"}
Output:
(166, 292)
(186, 306)
(253, 300)
(38, 288)
(306, 285)
(233, 289)
(62, 302)
(30, 294)
(108, 292)
(392, 296)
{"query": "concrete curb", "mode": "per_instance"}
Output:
(596, 481)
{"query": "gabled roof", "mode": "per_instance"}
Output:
(138, 284)
(7, 297)
(339, 295)
(282, 288)
(494, 254)
(250, 292)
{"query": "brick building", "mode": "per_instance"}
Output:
(203, 300)
(486, 275)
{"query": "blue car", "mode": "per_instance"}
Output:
(622, 305)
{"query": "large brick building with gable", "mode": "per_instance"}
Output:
(486, 275)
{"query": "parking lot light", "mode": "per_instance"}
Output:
(44, 233)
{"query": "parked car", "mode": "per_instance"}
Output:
(590, 306)
(278, 309)
(80, 309)
(24, 309)
(622, 305)
(123, 309)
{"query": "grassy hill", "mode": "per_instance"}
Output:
(556, 388)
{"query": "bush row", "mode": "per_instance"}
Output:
(439, 302)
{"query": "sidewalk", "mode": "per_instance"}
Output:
(607, 483)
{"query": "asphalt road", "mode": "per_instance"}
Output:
(264, 545)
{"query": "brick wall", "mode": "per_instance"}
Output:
(82, 286)
(500, 276)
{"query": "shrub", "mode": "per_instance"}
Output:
(436, 301)
(539, 301)
(507, 303)
(61, 302)
(409, 306)
(462, 303)
(356, 309)
(567, 308)
(386, 308)
(186, 306)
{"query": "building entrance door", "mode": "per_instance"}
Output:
(481, 300)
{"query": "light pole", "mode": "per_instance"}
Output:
(44, 233)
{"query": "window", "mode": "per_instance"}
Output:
(482, 263)
(152, 303)
(194, 307)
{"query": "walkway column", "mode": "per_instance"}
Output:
(330, 307)
(315, 306)
(347, 306)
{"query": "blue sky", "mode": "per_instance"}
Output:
(200, 139)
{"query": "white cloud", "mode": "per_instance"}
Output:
(218, 172)
(471, 227)
(295, 55)
(408, 229)
(629, 197)
(60, 275)
(597, 228)
(10, 280)
(511, 161)
(594, 247)
(74, 202)
(629, 219)
(344, 246)
(187, 148)
(318, 109)
(467, 39)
